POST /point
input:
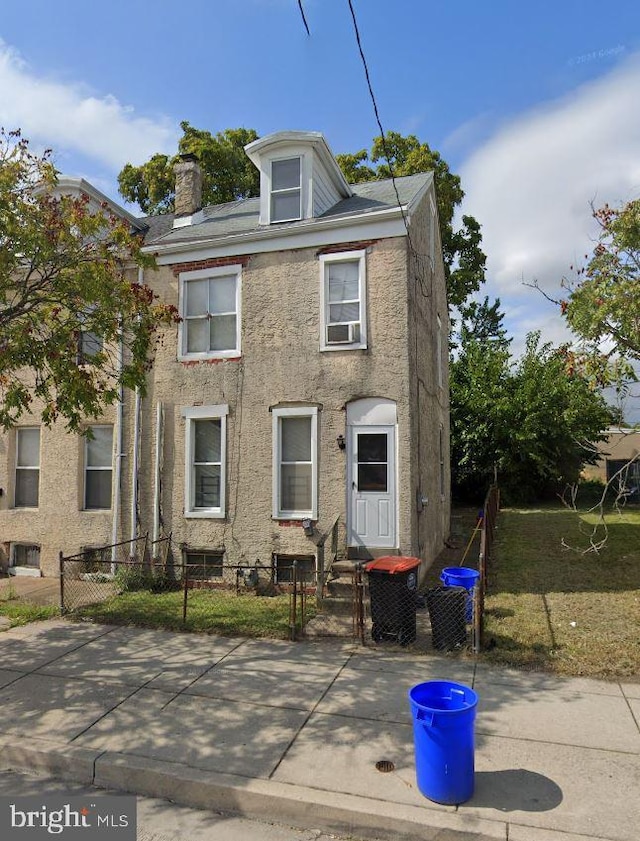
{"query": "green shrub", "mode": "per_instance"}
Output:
(130, 577)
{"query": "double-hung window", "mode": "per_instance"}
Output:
(295, 463)
(205, 460)
(90, 342)
(210, 310)
(343, 300)
(27, 481)
(286, 190)
(98, 468)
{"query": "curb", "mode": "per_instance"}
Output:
(263, 800)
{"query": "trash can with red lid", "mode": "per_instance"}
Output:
(393, 587)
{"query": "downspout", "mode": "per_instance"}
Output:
(136, 451)
(158, 472)
(119, 454)
(134, 469)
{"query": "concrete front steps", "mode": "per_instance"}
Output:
(335, 617)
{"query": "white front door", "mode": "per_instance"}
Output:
(372, 486)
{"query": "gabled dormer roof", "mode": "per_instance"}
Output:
(299, 176)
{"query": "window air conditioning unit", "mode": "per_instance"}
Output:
(343, 334)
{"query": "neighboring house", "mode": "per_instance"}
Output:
(305, 388)
(619, 460)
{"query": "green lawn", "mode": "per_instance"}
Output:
(553, 604)
(208, 611)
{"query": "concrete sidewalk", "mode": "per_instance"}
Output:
(291, 732)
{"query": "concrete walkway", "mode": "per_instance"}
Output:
(42, 591)
(291, 732)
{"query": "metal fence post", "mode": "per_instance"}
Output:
(359, 611)
(185, 578)
(491, 507)
(292, 616)
(61, 560)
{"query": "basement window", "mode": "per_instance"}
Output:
(25, 555)
(204, 565)
(283, 568)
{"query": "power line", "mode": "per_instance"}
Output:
(304, 20)
(418, 257)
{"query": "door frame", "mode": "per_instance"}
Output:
(374, 414)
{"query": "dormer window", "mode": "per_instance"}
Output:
(286, 190)
(299, 177)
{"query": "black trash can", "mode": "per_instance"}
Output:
(393, 587)
(447, 612)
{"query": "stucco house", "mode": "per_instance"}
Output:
(619, 460)
(304, 391)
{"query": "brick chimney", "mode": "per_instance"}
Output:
(188, 186)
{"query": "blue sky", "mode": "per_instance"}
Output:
(534, 105)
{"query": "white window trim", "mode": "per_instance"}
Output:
(19, 543)
(27, 467)
(190, 414)
(95, 469)
(271, 191)
(295, 412)
(203, 274)
(343, 257)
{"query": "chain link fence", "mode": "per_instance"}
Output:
(94, 575)
(374, 605)
(446, 612)
(395, 611)
(124, 582)
(487, 537)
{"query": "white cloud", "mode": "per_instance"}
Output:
(530, 185)
(68, 119)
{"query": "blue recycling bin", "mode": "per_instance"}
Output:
(462, 577)
(444, 739)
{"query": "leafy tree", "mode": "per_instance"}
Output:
(398, 155)
(67, 285)
(228, 174)
(555, 418)
(532, 424)
(483, 323)
(603, 306)
(478, 376)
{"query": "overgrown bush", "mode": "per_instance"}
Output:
(132, 577)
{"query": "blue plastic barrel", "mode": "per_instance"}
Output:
(462, 577)
(443, 729)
